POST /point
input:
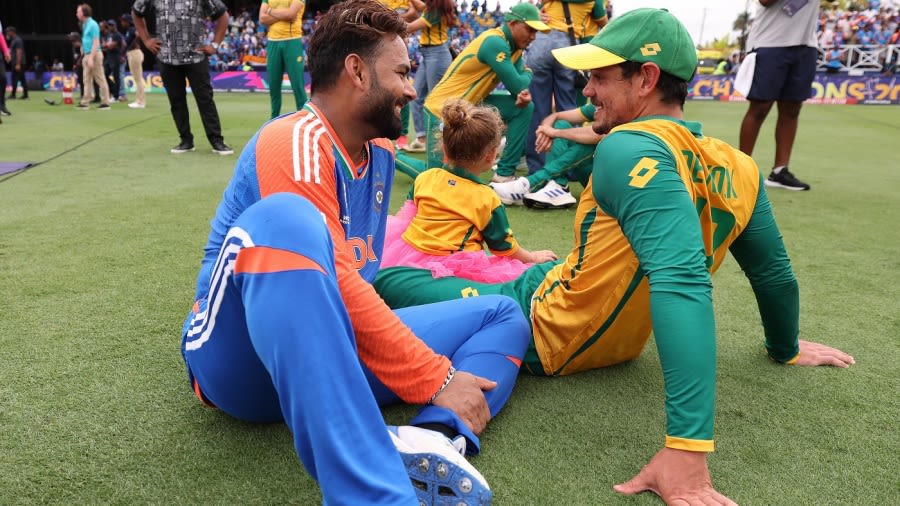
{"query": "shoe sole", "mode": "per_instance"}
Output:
(179, 151)
(535, 204)
(775, 184)
(223, 153)
(440, 482)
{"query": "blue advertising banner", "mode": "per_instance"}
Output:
(826, 89)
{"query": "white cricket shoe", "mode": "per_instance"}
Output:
(439, 472)
(551, 196)
(511, 192)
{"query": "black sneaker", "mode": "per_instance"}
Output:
(786, 180)
(184, 147)
(222, 149)
(82, 107)
(103, 107)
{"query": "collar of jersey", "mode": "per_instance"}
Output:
(695, 127)
(349, 168)
(463, 173)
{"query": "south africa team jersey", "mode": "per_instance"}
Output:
(300, 153)
(285, 30)
(584, 16)
(435, 31)
(484, 63)
(457, 212)
(650, 177)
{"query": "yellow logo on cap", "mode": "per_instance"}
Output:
(651, 49)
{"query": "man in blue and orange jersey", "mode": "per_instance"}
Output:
(285, 325)
(663, 207)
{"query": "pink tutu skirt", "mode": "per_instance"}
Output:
(473, 265)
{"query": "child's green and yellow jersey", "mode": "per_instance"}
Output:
(663, 206)
(480, 67)
(457, 212)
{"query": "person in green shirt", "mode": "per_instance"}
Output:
(494, 57)
(664, 206)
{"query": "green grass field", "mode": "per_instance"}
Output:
(100, 245)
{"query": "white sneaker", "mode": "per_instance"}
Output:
(415, 146)
(135, 105)
(439, 473)
(511, 192)
(551, 196)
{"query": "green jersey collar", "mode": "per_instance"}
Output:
(463, 173)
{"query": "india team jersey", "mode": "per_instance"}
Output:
(284, 30)
(650, 177)
(456, 212)
(300, 153)
(484, 63)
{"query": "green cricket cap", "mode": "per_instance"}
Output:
(528, 14)
(641, 35)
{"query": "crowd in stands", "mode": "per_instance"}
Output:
(864, 23)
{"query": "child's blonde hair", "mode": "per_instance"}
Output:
(470, 130)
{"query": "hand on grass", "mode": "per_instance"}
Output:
(464, 395)
(541, 256)
(815, 354)
(679, 477)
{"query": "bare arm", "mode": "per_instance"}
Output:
(268, 15)
(533, 257)
(140, 26)
(218, 34)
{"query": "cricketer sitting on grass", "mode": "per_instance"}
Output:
(664, 205)
(286, 325)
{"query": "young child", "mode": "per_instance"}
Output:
(451, 217)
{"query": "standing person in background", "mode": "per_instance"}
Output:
(5, 57)
(494, 57)
(113, 43)
(183, 55)
(92, 59)
(77, 57)
(135, 57)
(783, 40)
(17, 63)
(284, 50)
(553, 86)
(433, 19)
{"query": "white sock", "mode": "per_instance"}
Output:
(777, 170)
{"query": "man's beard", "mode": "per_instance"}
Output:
(379, 113)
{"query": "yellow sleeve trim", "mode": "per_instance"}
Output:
(691, 445)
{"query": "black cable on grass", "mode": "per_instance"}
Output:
(73, 148)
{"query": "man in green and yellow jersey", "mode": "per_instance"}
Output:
(494, 57)
(284, 50)
(664, 205)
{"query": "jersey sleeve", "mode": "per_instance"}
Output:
(760, 252)
(635, 181)
(402, 361)
(495, 53)
(498, 235)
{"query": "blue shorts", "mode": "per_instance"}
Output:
(783, 73)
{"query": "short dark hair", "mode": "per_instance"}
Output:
(86, 10)
(350, 27)
(11, 29)
(673, 89)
